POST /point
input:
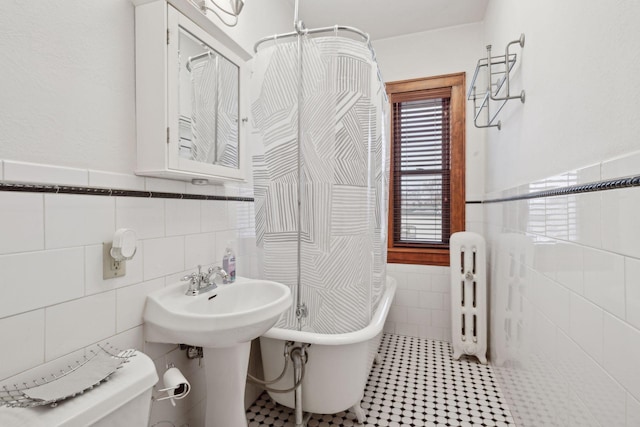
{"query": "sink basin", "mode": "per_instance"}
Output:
(222, 317)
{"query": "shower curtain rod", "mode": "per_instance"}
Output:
(302, 31)
(335, 29)
(306, 31)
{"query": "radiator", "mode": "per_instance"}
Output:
(468, 295)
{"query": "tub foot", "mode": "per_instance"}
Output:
(377, 359)
(360, 415)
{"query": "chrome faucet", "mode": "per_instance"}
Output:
(202, 282)
(213, 272)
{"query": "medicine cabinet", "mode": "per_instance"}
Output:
(189, 95)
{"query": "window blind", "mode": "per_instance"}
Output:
(421, 170)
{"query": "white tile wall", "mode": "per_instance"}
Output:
(621, 207)
(589, 174)
(131, 338)
(570, 272)
(182, 216)
(130, 302)
(44, 174)
(32, 280)
(163, 256)
(214, 216)
(200, 249)
(421, 307)
(604, 280)
(21, 224)
(77, 220)
(79, 323)
(54, 302)
(621, 166)
(552, 299)
(22, 339)
(587, 226)
(622, 353)
(145, 216)
(115, 180)
(587, 323)
(633, 411)
(571, 321)
(632, 284)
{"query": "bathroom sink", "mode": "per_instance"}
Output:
(228, 315)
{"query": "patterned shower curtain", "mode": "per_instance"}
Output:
(344, 164)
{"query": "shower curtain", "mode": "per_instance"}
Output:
(338, 171)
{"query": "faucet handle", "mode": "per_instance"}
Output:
(194, 283)
(193, 277)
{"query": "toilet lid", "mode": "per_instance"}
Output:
(130, 381)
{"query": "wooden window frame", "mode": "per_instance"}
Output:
(456, 84)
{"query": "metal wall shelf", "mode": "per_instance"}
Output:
(491, 98)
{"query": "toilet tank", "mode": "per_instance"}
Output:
(123, 400)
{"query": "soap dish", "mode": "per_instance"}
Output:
(79, 376)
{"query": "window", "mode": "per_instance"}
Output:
(426, 188)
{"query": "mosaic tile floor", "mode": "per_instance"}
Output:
(417, 384)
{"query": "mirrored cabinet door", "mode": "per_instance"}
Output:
(208, 93)
(202, 98)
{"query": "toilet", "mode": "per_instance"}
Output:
(123, 400)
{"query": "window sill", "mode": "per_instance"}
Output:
(418, 256)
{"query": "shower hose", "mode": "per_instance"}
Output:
(289, 354)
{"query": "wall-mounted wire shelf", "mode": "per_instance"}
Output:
(79, 376)
(490, 98)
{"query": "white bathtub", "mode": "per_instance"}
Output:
(338, 365)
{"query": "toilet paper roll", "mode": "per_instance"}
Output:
(176, 384)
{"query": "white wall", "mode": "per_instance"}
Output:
(565, 334)
(68, 84)
(580, 72)
(68, 117)
(68, 78)
(422, 304)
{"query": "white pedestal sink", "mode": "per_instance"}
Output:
(223, 321)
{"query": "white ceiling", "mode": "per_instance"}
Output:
(389, 18)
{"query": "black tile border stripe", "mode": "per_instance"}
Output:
(611, 184)
(111, 192)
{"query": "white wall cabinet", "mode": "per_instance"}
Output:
(190, 81)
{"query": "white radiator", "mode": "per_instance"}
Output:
(468, 295)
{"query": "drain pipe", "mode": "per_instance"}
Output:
(299, 357)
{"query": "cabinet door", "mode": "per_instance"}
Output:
(203, 96)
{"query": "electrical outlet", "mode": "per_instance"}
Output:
(110, 267)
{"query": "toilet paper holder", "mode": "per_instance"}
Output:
(176, 385)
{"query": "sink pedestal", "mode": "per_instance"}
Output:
(226, 370)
